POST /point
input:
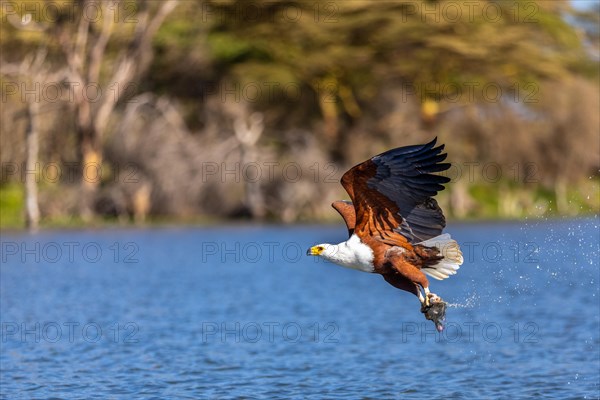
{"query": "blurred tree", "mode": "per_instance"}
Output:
(97, 80)
(513, 83)
(31, 70)
(345, 51)
(84, 47)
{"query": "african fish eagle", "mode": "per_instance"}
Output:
(394, 224)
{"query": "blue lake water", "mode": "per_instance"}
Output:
(241, 312)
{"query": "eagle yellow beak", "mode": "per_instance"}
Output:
(315, 251)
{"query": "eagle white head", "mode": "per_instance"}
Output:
(350, 254)
(325, 250)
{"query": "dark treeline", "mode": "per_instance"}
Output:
(230, 109)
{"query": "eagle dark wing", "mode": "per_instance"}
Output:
(392, 194)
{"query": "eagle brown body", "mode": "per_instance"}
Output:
(393, 213)
(400, 269)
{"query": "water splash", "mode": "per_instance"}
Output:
(468, 303)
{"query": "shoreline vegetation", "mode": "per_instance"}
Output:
(111, 224)
(235, 110)
(12, 216)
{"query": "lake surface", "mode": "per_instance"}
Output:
(242, 312)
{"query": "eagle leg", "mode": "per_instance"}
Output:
(421, 298)
(412, 274)
(427, 296)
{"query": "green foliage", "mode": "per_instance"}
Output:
(12, 200)
(419, 42)
(226, 48)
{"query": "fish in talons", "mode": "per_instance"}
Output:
(435, 311)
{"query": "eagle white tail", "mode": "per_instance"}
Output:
(452, 260)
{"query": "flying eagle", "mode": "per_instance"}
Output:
(394, 224)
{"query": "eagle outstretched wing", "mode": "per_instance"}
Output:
(346, 210)
(393, 194)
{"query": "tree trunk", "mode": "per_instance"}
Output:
(32, 211)
(91, 170)
(248, 130)
(253, 196)
(560, 192)
(459, 200)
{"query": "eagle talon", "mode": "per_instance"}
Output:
(433, 298)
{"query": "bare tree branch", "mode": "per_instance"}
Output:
(135, 60)
(97, 52)
(81, 41)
